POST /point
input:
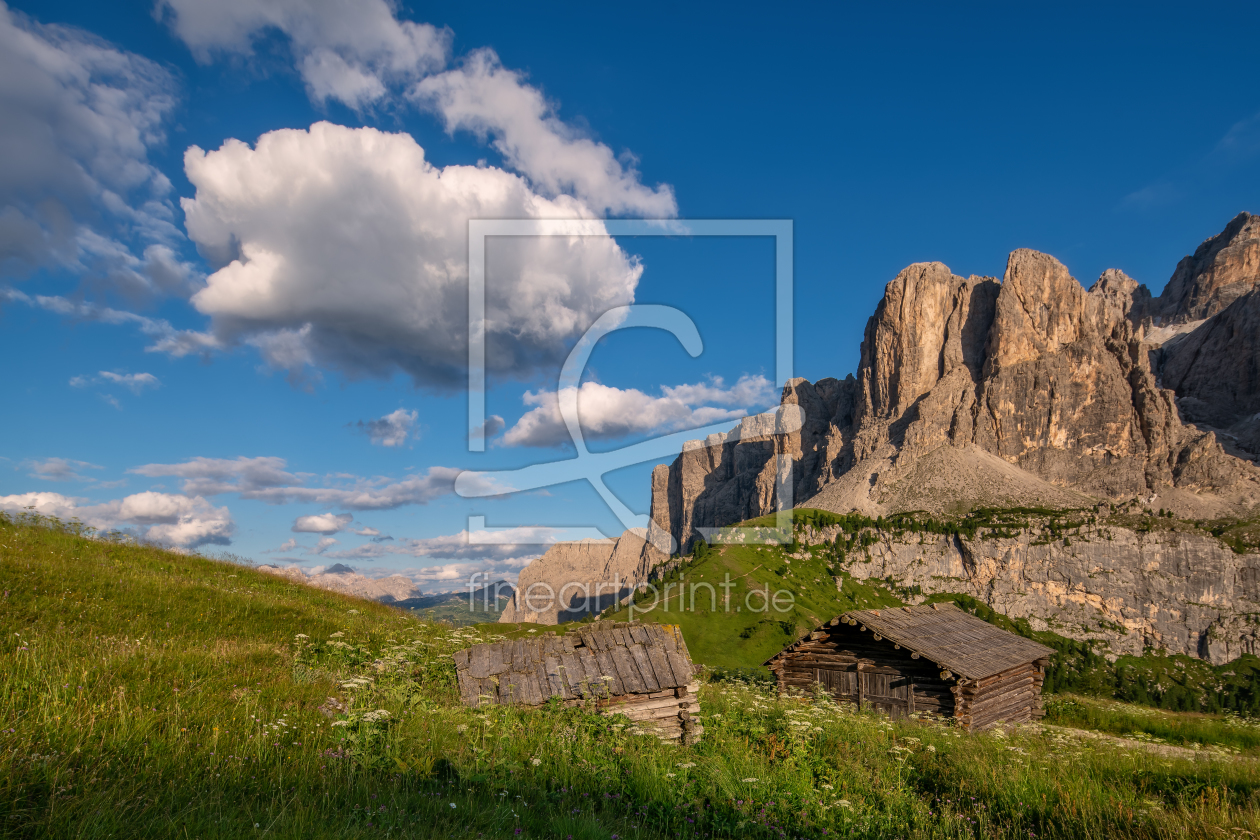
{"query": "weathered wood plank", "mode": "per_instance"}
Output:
(631, 678)
(610, 667)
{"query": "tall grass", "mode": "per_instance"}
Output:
(148, 694)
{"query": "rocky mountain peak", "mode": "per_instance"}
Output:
(1031, 390)
(1222, 269)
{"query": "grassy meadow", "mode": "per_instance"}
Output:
(150, 694)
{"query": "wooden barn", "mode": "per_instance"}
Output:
(642, 671)
(933, 659)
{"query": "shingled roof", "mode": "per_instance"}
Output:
(956, 640)
(598, 660)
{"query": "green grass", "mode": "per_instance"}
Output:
(737, 634)
(1236, 734)
(150, 694)
(736, 641)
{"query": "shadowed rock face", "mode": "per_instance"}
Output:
(1053, 379)
(1212, 358)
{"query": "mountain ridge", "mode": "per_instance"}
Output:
(1029, 391)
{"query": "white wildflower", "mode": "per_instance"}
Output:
(749, 781)
(535, 761)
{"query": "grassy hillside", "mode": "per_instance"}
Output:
(733, 638)
(150, 694)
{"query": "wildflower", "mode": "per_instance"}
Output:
(463, 727)
(535, 761)
(341, 723)
(826, 787)
(452, 804)
(931, 748)
(687, 764)
(844, 803)
(749, 781)
(301, 636)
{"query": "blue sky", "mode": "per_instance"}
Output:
(231, 248)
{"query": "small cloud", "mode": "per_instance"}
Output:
(288, 545)
(134, 382)
(322, 523)
(375, 535)
(323, 545)
(112, 400)
(60, 469)
(608, 413)
(392, 430)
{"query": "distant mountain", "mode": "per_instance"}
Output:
(343, 579)
(463, 608)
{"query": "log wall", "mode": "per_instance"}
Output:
(873, 672)
(671, 713)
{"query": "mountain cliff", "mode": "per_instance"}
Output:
(1029, 390)
(1026, 392)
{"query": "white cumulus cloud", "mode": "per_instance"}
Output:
(609, 413)
(344, 247)
(360, 52)
(322, 523)
(80, 118)
(348, 50)
(267, 479)
(494, 102)
(181, 521)
(212, 476)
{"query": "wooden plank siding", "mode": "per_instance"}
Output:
(641, 671)
(936, 660)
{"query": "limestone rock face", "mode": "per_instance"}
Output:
(1054, 380)
(1183, 593)
(574, 579)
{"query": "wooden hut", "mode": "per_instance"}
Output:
(933, 659)
(642, 671)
